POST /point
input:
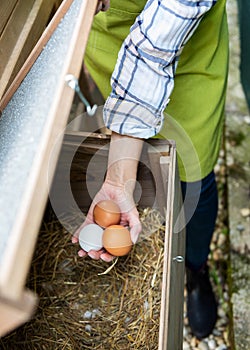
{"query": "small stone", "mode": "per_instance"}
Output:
(211, 344)
(193, 342)
(221, 313)
(220, 161)
(221, 239)
(87, 314)
(88, 328)
(217, 255)
(186, 321)
(225, 296)
(247, 119)
(186, 345)
(222, 322)
(245, 212)
(216, 333)
(217, 169)
(96, 312)
(230, 160)
(221, 347)
(240, 228)
(185, 332)
(220, 341)
(212, 246)
(222, 153)
(203, 346)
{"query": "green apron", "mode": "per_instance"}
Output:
(195, 114)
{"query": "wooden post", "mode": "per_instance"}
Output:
(171, 323)
(154, 155)
(13, 313)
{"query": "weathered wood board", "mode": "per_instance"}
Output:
(22, 23)
(80, 173)
(172, 302)
(6, 8)
(31, 122)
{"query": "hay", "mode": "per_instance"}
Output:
(87, 304)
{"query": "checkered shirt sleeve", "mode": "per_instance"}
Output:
(143, 78)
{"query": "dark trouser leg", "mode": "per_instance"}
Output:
(200, 228)
(201, 302)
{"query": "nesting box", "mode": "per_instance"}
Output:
(22, 23)
(81, 170)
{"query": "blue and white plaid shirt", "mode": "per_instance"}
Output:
(143, 78)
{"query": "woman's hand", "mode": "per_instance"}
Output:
(119, 185)
(129, 216)
(102, 5)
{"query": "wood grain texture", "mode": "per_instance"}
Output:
(172, 301)
(24, 27)
(6, 8)
(24, 40)
(15, 313)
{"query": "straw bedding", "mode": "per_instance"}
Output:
(87, 304)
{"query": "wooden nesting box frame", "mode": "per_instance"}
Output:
(158, 177)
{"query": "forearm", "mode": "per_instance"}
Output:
(124, 155)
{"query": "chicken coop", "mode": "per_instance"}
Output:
(47, 160)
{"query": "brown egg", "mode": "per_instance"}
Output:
(116, 240)
(106, 213)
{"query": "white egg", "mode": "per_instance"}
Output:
(90, 237)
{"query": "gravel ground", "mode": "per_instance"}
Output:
(218, 260)
(219, 339)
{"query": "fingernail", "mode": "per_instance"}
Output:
(104, 258)
(81, 253)
(92, 256)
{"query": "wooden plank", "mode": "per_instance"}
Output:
(25, 26)
(15, 313)
(36, 24)
(154, 155)
(171, 322)
(12, 41)
(35, 53)
(6, 8)
(22, 237)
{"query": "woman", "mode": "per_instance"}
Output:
(169, 61)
